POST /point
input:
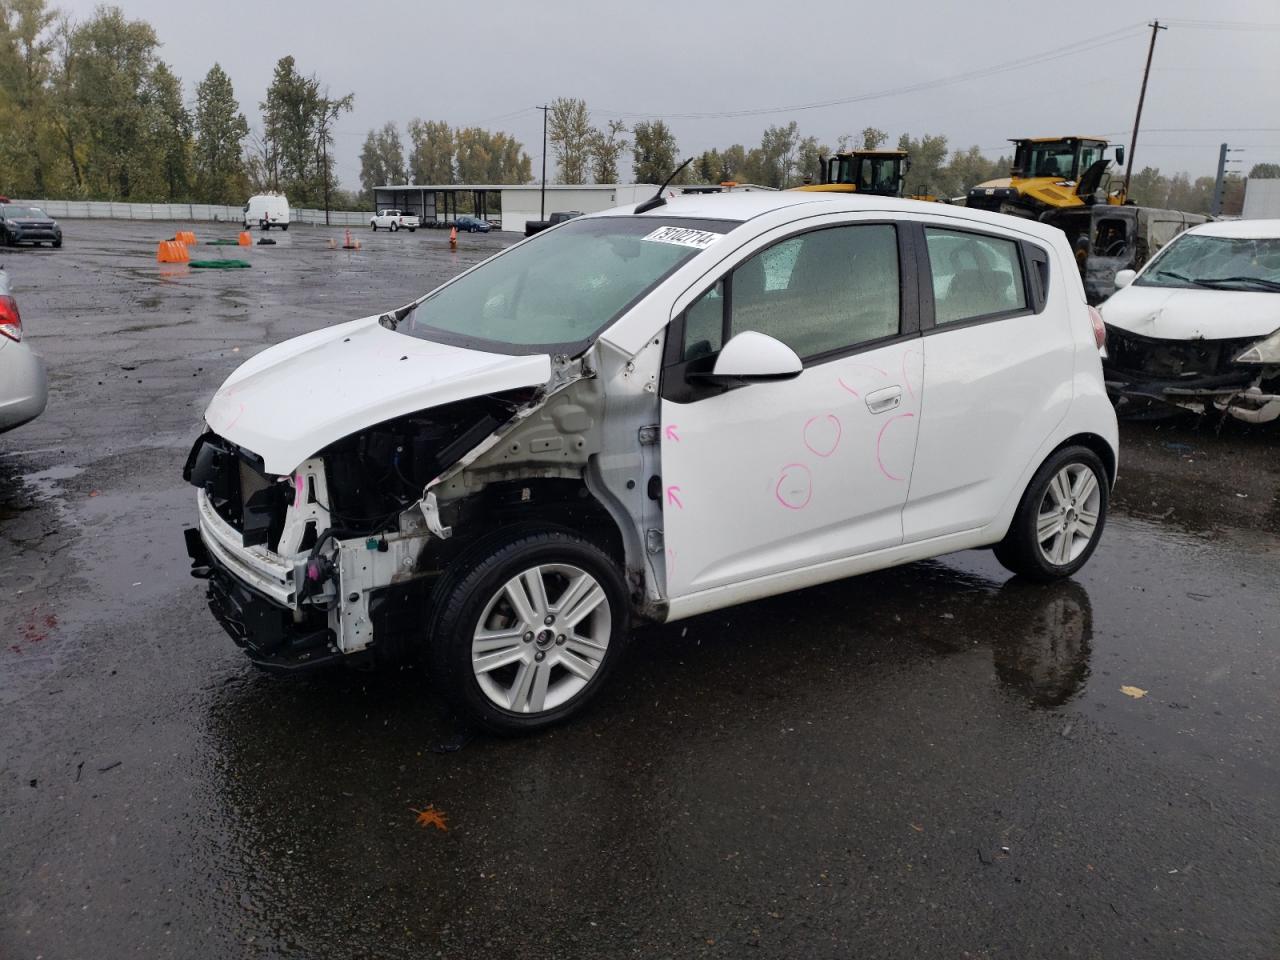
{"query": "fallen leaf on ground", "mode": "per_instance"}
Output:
(431, 817)
(1136, 692)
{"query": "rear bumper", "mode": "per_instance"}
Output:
(24, 385)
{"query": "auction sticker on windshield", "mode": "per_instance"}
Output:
(684, 236)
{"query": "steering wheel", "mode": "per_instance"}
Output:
(1116, 248)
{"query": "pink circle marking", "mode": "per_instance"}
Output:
(808, 491)
(880, 439)
(831, 418)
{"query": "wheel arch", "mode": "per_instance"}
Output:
(1092, 441)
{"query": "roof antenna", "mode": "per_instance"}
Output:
(657, 200)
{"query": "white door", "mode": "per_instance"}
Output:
(774, 477)
(998, 379)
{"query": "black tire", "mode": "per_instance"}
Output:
(265, 225)
(373, 226)
(461, 597)
(395, 227)
(1020, 551)
(284, 227)
(57, 244)
(411, 229)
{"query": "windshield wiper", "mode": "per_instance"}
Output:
(1260, 281)
(1179, 276)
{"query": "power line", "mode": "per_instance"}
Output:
(1072, 49)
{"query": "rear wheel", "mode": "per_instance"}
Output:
(525, 635)
(1060, 519)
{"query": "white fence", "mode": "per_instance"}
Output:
(108, 210)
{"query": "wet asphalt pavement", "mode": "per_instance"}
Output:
(932, 761)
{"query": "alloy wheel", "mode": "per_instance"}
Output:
(541, 638)
(1068, 517)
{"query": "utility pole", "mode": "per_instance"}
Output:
(543, 215)
(1142, 95)
(1220, 184)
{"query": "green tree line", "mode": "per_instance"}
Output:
(438, 153)
(88, 110)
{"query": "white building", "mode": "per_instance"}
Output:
(1261, 199)
(509, 204)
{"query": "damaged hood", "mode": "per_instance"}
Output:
(297, 397)
(1177, 313)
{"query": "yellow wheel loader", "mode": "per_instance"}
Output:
(877, 172)
(1050, 174)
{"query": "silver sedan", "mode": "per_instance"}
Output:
(24, 389)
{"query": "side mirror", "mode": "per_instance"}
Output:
(1125, 277)
(753, 357)
(1119, 156)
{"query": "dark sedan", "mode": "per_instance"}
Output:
(473, 224)
(19, 224)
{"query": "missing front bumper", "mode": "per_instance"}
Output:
(1245, 401)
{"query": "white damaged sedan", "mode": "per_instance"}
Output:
(1198, 328)
(647, 414)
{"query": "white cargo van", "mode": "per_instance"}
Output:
(267, 210)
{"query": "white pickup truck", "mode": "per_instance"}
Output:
(394, 220)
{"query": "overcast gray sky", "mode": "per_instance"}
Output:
(488, 64)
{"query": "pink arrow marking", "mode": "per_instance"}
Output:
(671, 433)
(880, 439)
(673, 497)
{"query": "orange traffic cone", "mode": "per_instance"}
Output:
(186, 236)
(245, 239)
(453, 238)
(172, 251)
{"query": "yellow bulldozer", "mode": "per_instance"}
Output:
(1051, 174)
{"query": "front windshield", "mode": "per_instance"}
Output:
(1234, 263)
(556, 292)
(1054, 159)
(24, 213)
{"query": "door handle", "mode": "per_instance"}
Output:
(882, 401)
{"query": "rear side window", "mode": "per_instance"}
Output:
(974, 275)
(822, 291)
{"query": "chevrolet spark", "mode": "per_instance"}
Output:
(648, 414)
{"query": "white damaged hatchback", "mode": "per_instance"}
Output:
(647, 414)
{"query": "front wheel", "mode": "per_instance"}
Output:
(373, 226)
(57, 244)
(525, 635)
(395, 227)
(1059, 521)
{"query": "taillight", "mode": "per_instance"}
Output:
(1099, 328)
(10, 320)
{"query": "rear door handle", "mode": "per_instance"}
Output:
(882, 401)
